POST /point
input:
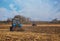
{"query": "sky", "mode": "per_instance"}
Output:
(44, 10)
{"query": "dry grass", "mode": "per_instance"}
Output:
(36, 33)
(28, 36)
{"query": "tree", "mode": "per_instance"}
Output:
(22, 19)
(54, 21)
(9, 20)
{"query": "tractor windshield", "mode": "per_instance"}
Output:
(15, 21)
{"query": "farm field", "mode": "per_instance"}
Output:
(31, 33)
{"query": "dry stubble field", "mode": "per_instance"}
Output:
(30, 33)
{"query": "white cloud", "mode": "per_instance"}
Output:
(4, 14)
(12, 7)
(56, 2)
(39, 9)
(35, 9)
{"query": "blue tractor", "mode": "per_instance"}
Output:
(15, 24)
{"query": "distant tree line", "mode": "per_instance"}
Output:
(22, 19)
(55, 21)
(25, 20)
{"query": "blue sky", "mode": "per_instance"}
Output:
(45, 10)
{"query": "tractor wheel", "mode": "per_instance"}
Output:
(11, 28)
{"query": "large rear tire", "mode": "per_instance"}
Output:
(11, 28)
